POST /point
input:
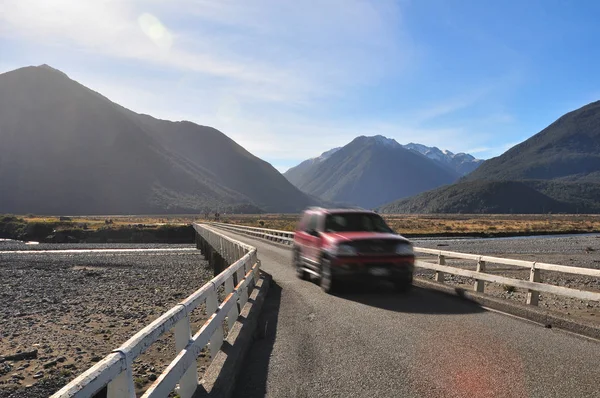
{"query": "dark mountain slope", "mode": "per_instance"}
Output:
(568, 149)
(228, 163)
(478, 197)
(503, 197)
(67, 149)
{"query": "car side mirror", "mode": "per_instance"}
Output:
(313, 232)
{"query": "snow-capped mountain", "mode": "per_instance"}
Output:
(463, 163)
(381, 140)
(369, 171)
(373, 169)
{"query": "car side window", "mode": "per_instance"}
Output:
(302, 223)
(312, 223)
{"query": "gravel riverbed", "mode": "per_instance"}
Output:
(63, 312)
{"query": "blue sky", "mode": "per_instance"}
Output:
(290, 79)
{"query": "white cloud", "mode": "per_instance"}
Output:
(272, 50)
(490, 152)
(474, 151)
(265, 72)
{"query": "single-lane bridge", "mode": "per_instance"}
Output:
(364, 343)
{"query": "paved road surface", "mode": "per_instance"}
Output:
(376, 343)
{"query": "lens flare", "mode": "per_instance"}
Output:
(155, 30)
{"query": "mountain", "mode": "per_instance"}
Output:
(299, 173)
(568, 149)
(502, 197)
(368, 172)
(66, 149)
(556, 170)
(462, 163)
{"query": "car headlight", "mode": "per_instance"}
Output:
(404, 250)
(345, 250)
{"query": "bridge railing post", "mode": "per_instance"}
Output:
(225, 251)
(257, 273)
(183, 334)
(229, 251)
(233, 313)
(479, 284)
(122, 386)
(532, 295)
(216, 340)
(243, 294)
(439, 275)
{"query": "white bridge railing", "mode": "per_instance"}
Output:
(273, 235)
(533, 285)
(115, 370)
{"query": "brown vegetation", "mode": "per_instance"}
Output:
(406, 224)
(451, 224)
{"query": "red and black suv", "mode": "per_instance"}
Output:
(336, 244)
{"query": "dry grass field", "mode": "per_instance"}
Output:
(407, 224)
(451, 224)
(96, 222)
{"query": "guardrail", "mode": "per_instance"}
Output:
(534, 285)
(114, 372)
(273, 235)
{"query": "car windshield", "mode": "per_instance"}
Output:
(355, 222)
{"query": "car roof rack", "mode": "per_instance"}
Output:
(341, 207)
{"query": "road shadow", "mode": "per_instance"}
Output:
(253, 381)
(418, 300)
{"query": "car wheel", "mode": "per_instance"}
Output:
(297, 263)
(327, 284)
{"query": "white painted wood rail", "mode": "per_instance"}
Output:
(115, 370)
(275, 235)
(534, 286)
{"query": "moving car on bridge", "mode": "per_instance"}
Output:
(338, 244)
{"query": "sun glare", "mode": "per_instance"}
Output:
(155, 30)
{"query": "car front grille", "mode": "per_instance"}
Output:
(375, 246)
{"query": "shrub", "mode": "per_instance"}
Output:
(139, 382)
(509, 289)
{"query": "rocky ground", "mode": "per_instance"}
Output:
(571, 250)
(61, 313)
